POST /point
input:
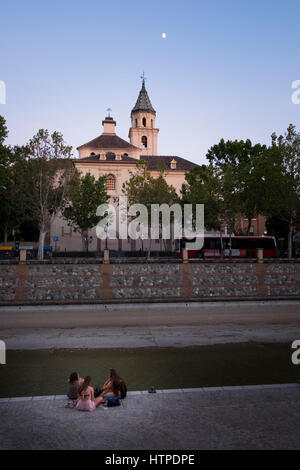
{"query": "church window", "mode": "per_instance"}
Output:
(110, 183)
(136, 123)
(144, 121)
(92, 153)
(152, 123)
(144, 142)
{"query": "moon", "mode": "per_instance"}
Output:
(164, 35)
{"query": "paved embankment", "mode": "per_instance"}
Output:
(257, 417)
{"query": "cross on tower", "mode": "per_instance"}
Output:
(143, 77)
(109, 110)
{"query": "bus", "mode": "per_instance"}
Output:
(234, 246)
(6, 252)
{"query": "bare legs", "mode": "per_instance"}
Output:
(99, 400)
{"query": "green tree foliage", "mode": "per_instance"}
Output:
(142, 188)
(236, 167)
(3, 130)
(14, 187)
(85, 194)
(50, 168)
(5, 162)
(15, 208)
(280, 181)
(202, 188)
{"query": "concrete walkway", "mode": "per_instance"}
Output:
(257, 417)
(156, 314)
(138, 337)
(152, 325)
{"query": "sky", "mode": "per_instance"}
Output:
(224, 70)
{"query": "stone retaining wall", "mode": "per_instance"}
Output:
(54, 283)
(283, 279)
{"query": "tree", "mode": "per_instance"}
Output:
(236, 165)
(280, 181)
(15, 207)
(142, 188)
(85, 194)
(51, 169)
(3, 130)
(202, 188)
(5, 160)
(14, 188)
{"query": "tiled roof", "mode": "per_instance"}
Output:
(110, 157)
(154, 161)
(107, 141)
(143, 102)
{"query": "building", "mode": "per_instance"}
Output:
(110, 155)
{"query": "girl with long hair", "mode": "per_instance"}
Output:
(114, 384)
(86, 400)
(74, 383)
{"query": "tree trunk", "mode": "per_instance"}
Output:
(5, 233)
(290, 240)
(41, 243)
(83, 241)
(87, 241)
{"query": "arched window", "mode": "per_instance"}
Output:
(136, 123)
(144, 142)
(92, 154)
(144, 121)
(110, 183)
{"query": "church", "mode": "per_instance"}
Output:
(110, 155)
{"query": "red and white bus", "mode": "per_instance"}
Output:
(232, 246)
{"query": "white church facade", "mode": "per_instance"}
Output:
(114, 157)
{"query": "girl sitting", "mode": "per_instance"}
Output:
(86, 400)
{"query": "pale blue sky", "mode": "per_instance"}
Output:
(224, 70)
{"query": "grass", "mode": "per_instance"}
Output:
(45, 372)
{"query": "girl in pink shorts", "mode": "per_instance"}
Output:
(86, 400)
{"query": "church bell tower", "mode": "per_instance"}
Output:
(143, 133)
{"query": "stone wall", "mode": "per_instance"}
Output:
(55, 283)
(283, 279)
(146, 281)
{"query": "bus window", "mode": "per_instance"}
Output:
(217, 244)
(267, 243)
(208, 244)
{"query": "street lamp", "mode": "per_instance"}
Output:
(87, 240)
